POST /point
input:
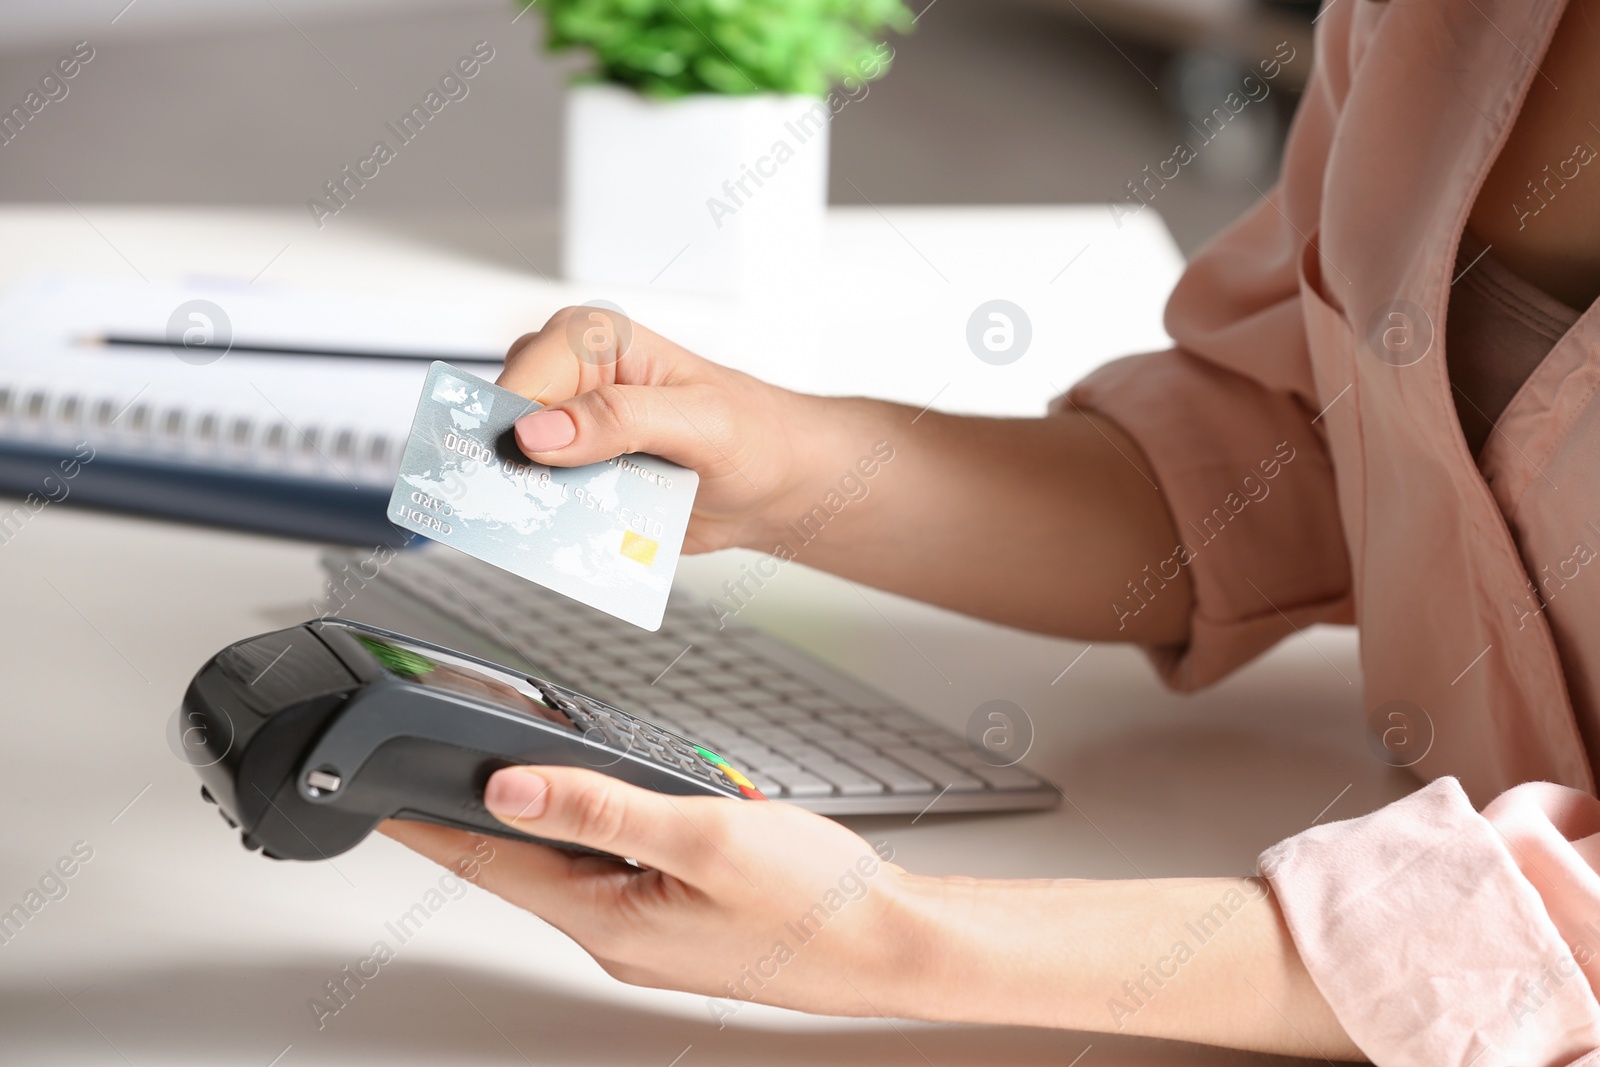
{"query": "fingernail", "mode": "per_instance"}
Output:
(544, 431)
(515, 793)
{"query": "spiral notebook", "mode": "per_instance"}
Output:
(224, 402)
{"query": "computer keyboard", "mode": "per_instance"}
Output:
(802, 731)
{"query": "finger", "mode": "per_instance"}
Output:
(519, 344)
(538, 368)
(552, 884)
(582, 347)
(677, 835)
(468, 855)
(687, 424)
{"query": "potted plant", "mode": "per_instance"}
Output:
(697, 145)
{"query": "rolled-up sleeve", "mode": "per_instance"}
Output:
(1446, 938)
(1250, 489)
(1228, 419)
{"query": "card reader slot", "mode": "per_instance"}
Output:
(275, 670)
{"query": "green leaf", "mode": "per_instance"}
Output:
(674, 47)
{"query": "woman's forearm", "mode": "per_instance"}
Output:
(1036, 523)
(1196, 959)
(1041, 523)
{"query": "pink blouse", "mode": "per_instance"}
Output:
(1304, 433)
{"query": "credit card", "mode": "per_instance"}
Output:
(608, 534)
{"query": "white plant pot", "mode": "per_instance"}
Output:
(707, 193)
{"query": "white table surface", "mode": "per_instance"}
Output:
(175, 946)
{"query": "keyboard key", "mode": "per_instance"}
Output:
(742, 717)
(893, 775)
(677, 709)
(775, 764)
(748, 752)
(723, 679)
(768, 676)
(797, 783)
(1005, 777)
(776, 736)
(717, 737)
(714, 702)
(752, 674)
(906, 722)
(844, 778)
(996, 777)
(615, 676)
(848, 749)
(945, 774)
(817, 702)
(878, 738)
(635, 691)
(805, 753)
(788, 683)
(769, 787)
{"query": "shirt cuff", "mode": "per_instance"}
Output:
(1430, 942)
(1250, 488)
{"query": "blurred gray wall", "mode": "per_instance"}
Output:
(259, 102)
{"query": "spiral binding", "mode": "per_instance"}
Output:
(206, 438)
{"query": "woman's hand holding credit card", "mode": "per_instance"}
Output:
(611, 387)
(579, 470)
